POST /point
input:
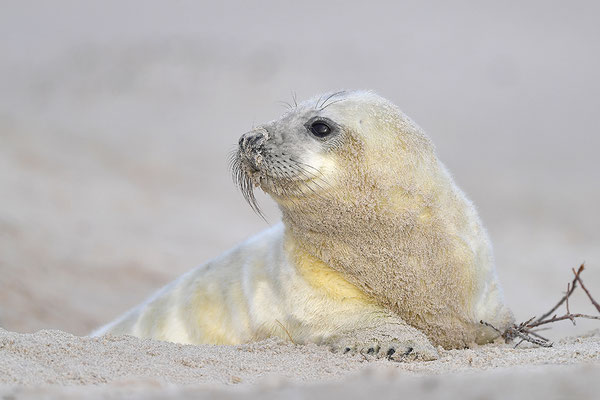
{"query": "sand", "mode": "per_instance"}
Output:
(116, 119)
(57, 364)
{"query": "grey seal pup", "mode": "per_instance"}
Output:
(378, 251)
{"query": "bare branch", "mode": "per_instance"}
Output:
(567, 302)
(561, 318)
(585, 289)
(534, 333)
(524, 331)
(525, 337)
(566, 296)
(491, 326)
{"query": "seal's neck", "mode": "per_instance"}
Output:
(320, 275)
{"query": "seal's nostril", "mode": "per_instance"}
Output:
(252, 139)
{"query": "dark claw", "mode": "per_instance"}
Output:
(391, 352)
(371, 350)
(347, 350)
(410, 350)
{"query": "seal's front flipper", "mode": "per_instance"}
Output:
(395, 341)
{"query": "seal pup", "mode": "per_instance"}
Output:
(378, 251)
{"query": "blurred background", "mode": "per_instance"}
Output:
(116, 119)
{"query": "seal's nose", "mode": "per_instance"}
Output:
(252, 140)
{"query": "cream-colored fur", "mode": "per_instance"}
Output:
(267, 287)
(378, 250)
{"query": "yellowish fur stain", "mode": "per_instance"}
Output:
(211, 320)
(322, 277)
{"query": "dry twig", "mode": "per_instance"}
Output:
(286, 331)
(585, 289)
(525, 330)
(566, 296)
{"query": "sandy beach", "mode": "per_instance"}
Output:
(116, 119)
(56, 364)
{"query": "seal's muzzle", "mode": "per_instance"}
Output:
(251, 148)
(253, 140)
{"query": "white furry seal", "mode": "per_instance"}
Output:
(379, 251)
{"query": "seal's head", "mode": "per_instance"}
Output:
(321, 148)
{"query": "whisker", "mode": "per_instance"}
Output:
(314, 179)
(286, 105)
(315, 182)
(329, 97)
(244, 183)
(307, 185)
(291, 185)
(232, 158)
(318, 101)
(333, 102)
(322, 177)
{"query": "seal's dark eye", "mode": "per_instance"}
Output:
(320, 129)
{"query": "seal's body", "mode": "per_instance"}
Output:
(266, 287)
(378, 248)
